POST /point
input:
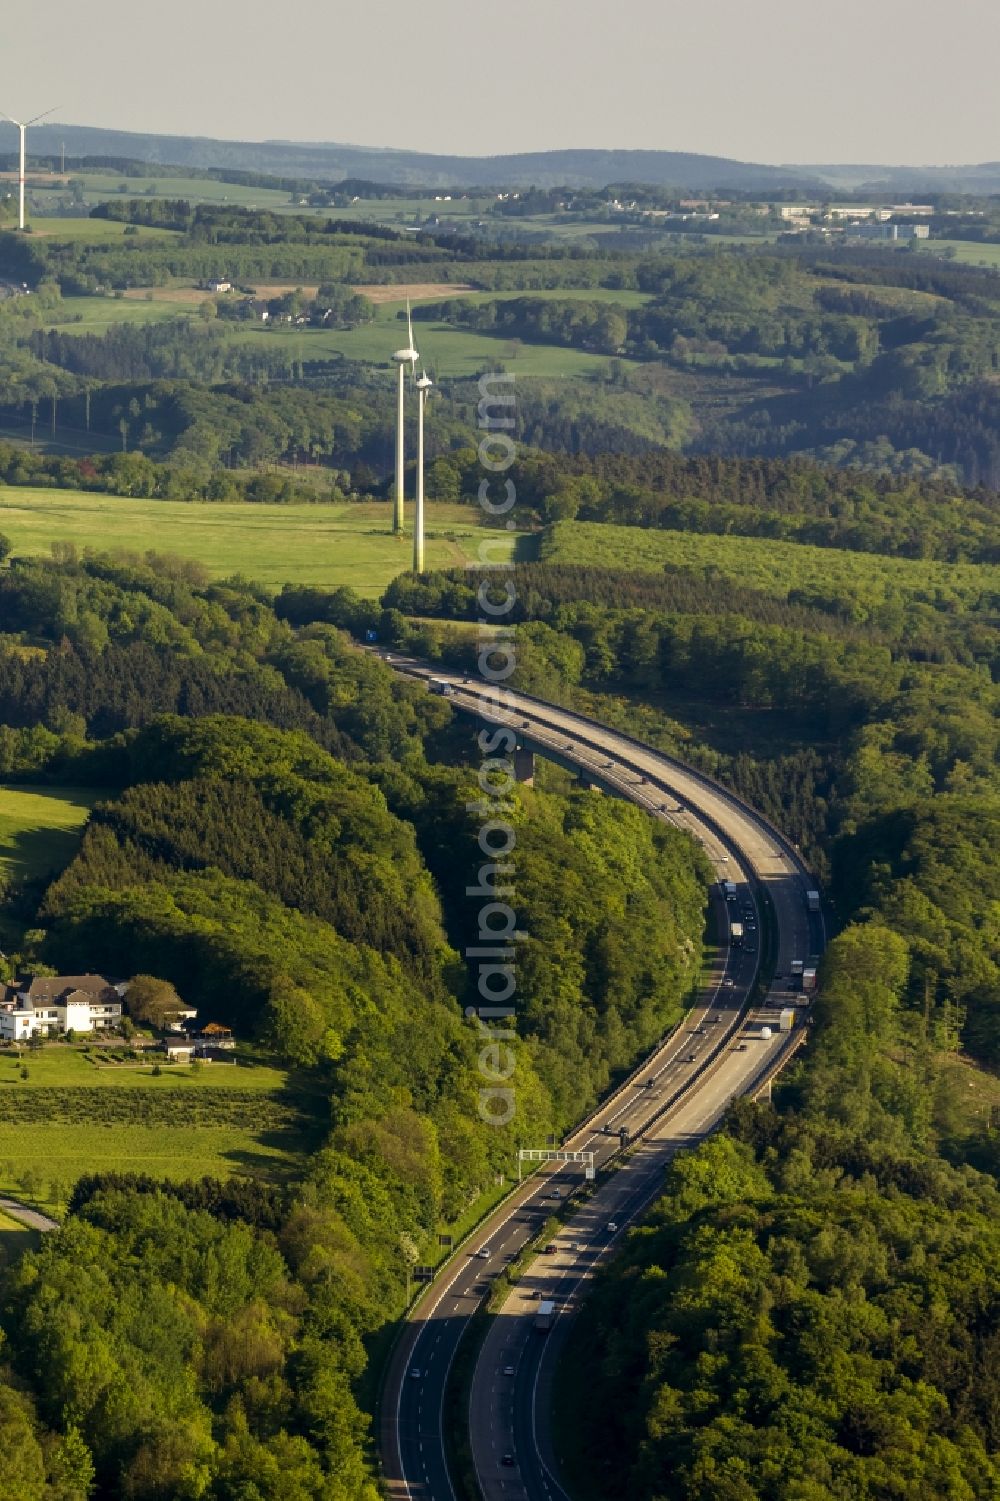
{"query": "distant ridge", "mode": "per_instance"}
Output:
(572, 168)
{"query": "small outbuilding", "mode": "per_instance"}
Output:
(178, 1049)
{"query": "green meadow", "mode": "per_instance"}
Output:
(966, 252)
(76, 1114)
(327, 546)
(446, 351)
(92, 315)
(40, 827)
(95, 230)
(88, 1066)
(773, 567)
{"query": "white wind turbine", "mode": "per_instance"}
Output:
(403, 357)
(22, 126)
(424, 384)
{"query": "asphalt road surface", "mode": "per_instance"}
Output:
(674, 1099)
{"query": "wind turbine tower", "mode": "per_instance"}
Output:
(403, 357)
(22, 127)
(423, 386)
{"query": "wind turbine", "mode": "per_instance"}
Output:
(22, 126)
(403, 357)
(423, 386)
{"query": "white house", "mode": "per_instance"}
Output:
(49, 1004)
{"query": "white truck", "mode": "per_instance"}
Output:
(809, 976)
(544, 1316)
(441, 685)
(812, 901)
(736, 932)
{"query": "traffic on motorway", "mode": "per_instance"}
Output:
(674, 1098)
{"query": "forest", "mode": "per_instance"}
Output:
(762, 534)
(878, 360)
(284, 835)
(811, 1309)
(873, 722)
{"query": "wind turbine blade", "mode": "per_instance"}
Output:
(409, 324)
(10, 118)
(43, 116)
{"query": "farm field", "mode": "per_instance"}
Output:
(774, 567)
(374, 343)
(66, 1067)
(39, 828)
(967, 252)
(55, 1156)
(97, 230)
(623, 297)
(396, 211)
(447, 352)
(92, 315)
(323, 545)
(98, 187)
(71, 1117)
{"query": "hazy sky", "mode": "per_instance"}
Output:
(765, 80)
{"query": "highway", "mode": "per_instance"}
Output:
(674, 1098)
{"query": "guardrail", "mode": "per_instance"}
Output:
(704, 777)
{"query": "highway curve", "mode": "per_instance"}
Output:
(676, 1097)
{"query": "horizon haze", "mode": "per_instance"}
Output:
(850, 88)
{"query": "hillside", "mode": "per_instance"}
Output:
(582, 168)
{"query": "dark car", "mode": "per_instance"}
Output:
(507, 1459)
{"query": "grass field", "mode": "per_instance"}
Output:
(59, 228)
(72, 1116)
(98, 187)
(773, 567)
(64, 1067)
(56, 1155)
(39, 828)
(324, 545)
(92, 315)
(447, 352)
(622, 297)
(966, 252)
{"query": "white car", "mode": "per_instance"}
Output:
(612, 1227)
(484, 1253)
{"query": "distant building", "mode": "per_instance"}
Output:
(858, 211)
(888, 232)
(218, 284)
(45, 1005)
